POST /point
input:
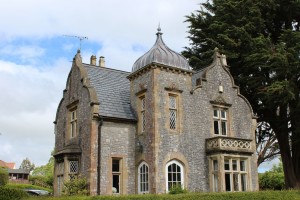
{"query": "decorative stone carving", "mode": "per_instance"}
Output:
(229, 144)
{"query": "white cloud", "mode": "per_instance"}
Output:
(23, 52)
(29, 101)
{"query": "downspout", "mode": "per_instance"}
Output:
(99, 155)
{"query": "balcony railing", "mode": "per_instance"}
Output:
(221, 143)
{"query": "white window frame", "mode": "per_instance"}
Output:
(220, 120)
(146, 177)
(181, 174)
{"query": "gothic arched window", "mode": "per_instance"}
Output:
(143, 178)
(174, 175)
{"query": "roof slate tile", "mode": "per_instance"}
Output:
(113, 91)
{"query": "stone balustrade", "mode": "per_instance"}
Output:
(222, 143)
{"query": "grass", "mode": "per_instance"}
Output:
(261, 195)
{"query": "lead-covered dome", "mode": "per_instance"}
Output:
(161, 54)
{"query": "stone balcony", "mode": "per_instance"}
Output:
(229, 144)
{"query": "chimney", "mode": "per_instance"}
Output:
(93, 60)
(101, 62)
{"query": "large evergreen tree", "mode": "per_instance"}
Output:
(261, 40)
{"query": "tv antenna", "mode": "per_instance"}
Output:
(78, 37)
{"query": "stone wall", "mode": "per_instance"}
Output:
(118, 141)
(76, 94)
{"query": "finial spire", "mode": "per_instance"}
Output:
(159, 30)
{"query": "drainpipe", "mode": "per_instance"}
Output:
(99, 155)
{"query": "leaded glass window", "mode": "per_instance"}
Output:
(173, 111)
(143, 118)
(73, 168)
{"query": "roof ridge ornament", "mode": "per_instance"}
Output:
(160, 53)
(159, 30)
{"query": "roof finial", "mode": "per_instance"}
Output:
(159, 30)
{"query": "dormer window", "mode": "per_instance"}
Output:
(220, 121)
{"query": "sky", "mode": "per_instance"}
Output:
(37, 45)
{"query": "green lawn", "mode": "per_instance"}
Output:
(263, 195)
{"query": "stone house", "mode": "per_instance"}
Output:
(160, 125)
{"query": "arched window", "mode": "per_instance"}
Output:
(174, 175)
(143, 178)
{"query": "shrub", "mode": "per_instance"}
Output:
(177, 189)
(75, 186)
(26, 186)
(45, 181)
(3, 176)
(271, 181)
(13, 194)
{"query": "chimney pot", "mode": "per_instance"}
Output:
(101, 61)
(93, 60)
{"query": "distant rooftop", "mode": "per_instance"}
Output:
(10, 165)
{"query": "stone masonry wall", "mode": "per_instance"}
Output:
(118, 141)
(195, 123)
(75, 93)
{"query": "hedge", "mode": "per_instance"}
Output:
(12, 194)
(262, 195)
(3, 176)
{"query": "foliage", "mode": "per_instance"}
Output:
(261, 40)
(274, 195)
(26, 164)
(3, 176)
(11, 193)
(266, 143)
(273, 179)
(44, 173)
(75, 186)
(46, 181)
(44, 170)
(177, 189)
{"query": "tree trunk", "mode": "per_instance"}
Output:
(280, 126)
(288, 166)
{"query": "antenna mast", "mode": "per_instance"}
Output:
(78, 37)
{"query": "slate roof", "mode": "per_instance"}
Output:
(113, 91)
(18, 171)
